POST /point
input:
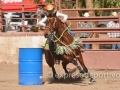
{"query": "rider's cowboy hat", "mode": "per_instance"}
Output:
(86, 14)
(114, 14)
(49, 7)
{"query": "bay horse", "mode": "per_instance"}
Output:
(67, 48)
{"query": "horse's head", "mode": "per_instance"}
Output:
(50, 25)
(52, 22)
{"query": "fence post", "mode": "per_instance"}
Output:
(23, 18)
(119, 17)
(0, 15)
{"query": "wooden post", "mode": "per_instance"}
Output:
(60, 6)
(0, 15)
(119, 17)
(95, 46)
(23, 18)
(77, 15)
(89, 4)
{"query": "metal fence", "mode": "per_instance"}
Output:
(99, 58)
(75, 21)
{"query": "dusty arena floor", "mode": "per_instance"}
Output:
(106, 80)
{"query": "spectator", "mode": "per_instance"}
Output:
(40, 13)
(113, 24)
(85, 25)
(3, 22)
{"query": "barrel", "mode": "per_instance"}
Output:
(30, 66)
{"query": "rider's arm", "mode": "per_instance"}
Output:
(42, 22)
(65, 17)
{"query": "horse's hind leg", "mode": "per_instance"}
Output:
(79, 68)
(86, 73)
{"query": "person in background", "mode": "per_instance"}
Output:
(86, 25)
(4, 23)
(39, 14)
(114, 24)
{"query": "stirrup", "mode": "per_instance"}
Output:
(82, 49)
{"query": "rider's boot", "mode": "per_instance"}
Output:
(82, 48)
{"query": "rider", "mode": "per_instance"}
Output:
(50, 11)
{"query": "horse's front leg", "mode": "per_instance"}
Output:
(78, 67)
(54, 73)
(86, 73)
(50, 61)
(64, 64)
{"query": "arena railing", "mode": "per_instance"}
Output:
(76, 30)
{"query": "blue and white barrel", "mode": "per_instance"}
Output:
(30, 66)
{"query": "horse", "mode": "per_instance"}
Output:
(67, 48)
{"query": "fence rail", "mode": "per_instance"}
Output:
(72, 19)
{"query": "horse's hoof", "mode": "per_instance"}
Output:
(82, 75)
(92, 81)
(55, 77)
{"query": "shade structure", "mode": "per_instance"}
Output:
(16, 5)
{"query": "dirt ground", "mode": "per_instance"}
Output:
(105, 80)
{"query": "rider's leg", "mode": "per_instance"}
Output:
(82, 48)
(71, 32)
(51, 43)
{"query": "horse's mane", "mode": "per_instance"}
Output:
(61, 23)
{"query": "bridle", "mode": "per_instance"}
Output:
(50, 28)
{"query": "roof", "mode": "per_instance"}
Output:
(16, 5)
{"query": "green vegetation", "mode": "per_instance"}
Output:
(95, 4)
(106, 4)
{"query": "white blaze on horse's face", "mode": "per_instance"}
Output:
(50, 23)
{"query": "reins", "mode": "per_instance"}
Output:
(58, 39)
